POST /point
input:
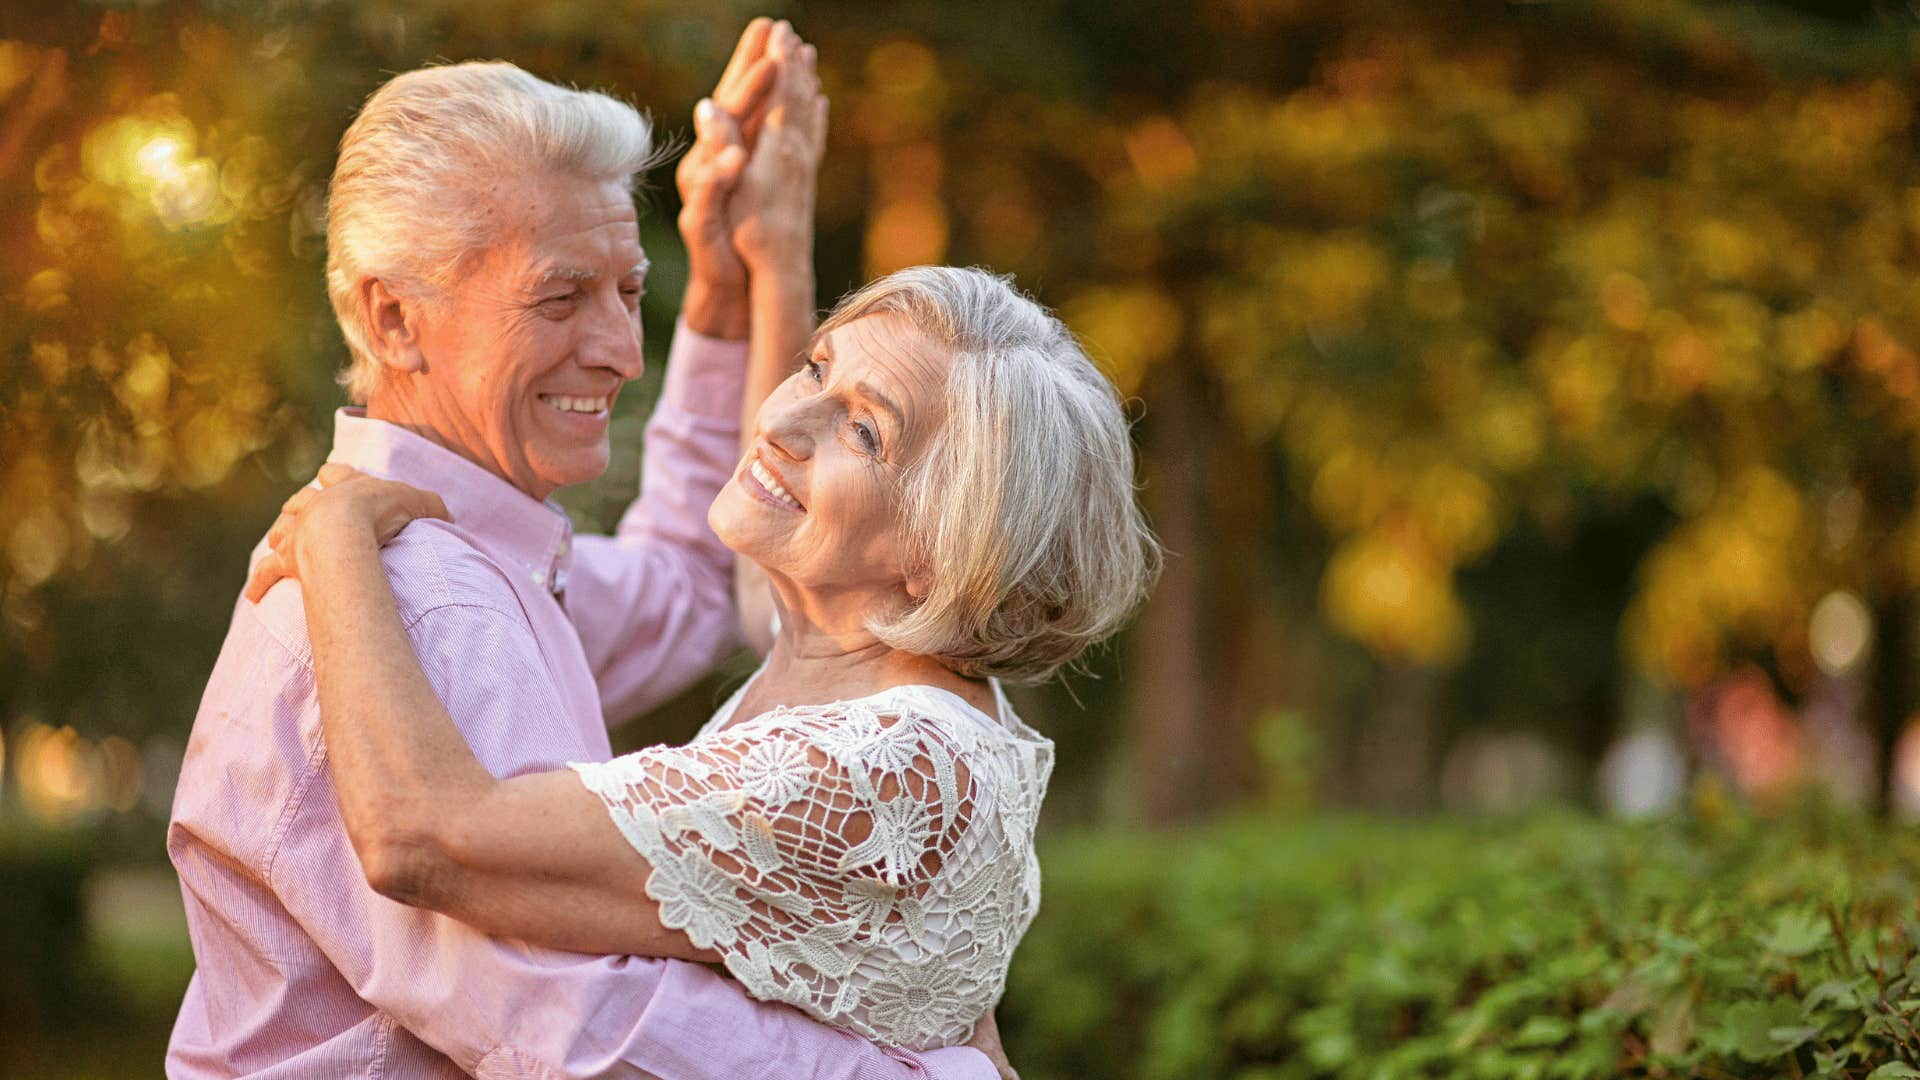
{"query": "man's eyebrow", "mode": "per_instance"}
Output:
(563, 273)
(582, 274)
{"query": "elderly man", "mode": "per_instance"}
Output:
(484, 261)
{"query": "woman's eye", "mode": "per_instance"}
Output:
(813, 369)
(869, 438)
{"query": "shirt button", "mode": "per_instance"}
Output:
(539, 577)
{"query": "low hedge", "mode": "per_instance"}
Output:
(43, 941)
(1556, 947)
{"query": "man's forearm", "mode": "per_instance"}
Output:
(716, 309)
(652, 605)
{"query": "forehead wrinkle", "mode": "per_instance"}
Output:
(906, 363)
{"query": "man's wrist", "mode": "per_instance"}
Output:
(716, 310)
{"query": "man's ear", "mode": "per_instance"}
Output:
(392, 328)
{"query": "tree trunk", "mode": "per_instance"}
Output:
(1891, 695)
(1393, 765)
(1173, 725)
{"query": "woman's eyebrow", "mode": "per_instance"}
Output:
(871, 393)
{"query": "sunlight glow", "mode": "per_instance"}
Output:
(160, 157)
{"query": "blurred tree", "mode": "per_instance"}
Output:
(1486, 351)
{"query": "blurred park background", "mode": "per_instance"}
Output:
(1528, 396)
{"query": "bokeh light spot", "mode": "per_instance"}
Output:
(1840, 632)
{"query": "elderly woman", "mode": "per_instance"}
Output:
(940, 498)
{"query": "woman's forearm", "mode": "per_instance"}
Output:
(781, 304)
(400, 766)
(534, 857)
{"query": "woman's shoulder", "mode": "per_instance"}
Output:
(895, 717)
(920, 702)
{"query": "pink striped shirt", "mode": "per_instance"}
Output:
(303, 970)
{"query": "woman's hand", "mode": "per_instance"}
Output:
(348, 506)
(986, 1039)
(725, 126)
(772, 205)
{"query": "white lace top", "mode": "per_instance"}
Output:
(869, 861)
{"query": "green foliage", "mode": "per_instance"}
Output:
(1561, 948)
(42, 936)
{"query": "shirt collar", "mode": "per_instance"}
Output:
(528, 537)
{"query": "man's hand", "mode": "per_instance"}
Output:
(986, 1039)
(725, 127)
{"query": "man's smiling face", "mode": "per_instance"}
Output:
(524, 357)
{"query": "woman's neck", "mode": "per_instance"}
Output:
(830, 667)
(809, 665)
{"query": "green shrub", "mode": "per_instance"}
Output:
(43, 942)
(1560, 947)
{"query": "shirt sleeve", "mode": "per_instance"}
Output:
(803, 848)
(654, 602)
(502, 1008)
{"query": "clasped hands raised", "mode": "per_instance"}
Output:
(747, 184)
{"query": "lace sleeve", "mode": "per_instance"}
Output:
(802, 848)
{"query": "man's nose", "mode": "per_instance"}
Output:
(612, 339)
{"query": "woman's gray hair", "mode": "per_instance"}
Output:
(1021, 515)
(402, 205)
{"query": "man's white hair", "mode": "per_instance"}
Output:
(404, 205)
(1021, 516)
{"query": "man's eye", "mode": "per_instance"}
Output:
(869, 438)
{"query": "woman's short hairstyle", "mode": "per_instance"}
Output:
(403, 202)
(1021, 515)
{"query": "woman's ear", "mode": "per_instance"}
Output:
(392, 328)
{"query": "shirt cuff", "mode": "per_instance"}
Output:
(705, 375)
(957, 1063)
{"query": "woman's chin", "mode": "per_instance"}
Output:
(736, 519)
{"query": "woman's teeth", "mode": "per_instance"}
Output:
(766, 478)
(576, 404)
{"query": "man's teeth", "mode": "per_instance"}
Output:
(765, 476)
(576, 404)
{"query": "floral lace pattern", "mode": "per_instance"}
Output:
(868, 861)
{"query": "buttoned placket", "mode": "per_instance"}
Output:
(553, 576)
(557, 576)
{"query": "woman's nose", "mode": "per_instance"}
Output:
(788, 427)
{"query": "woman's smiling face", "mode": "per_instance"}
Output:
(813, 501)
